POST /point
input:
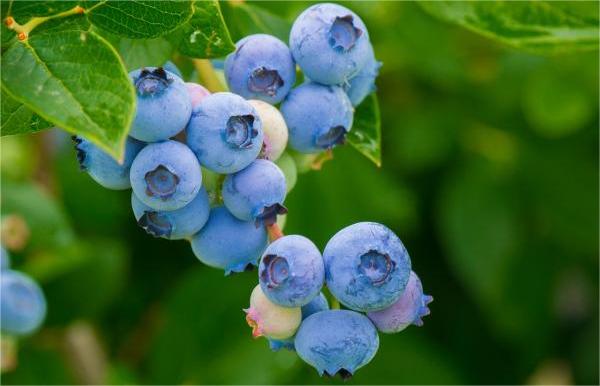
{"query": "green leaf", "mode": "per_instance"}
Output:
(24, 10)
(138, 53)
(538, 26)
(74, 79)
(205, 34)
(18, 119)
(365, 135)
(245, 19)
(139, 19)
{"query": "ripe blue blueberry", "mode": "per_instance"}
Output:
(166, 175)
(274, 128)
(22, 303)
(318, 117)
(163, 104)
(4, 259)
(256, 193)
(291, 271)
(176, 224)
(104, 169)
(366, 266)
(330, 43)
(225, 132)
(363, 83)
(337, 341)
(318, 304)
(172, 68)
(228, 243)
(407, 310)
(278, 344)
(261, 67)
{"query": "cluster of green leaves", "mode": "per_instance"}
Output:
(71, 71)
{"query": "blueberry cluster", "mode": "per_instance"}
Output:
(237, 140)
(208, 168)
(22, 302)
(365, 267)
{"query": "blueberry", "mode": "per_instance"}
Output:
(270, 320)
(104, 169)
(256, 193)
(407, 310)
(166, 175)
(4, 259)
(318, 117)
(261, 67)
(22, 303)
(363, 84)
(174, 225)
(197, 93)
(330, 43)
(288, 166)
(172, 68)
(274, 128)
(163, 105)
(228, 243)
(225, 132)
(278, 344)
(337, 341)
(366, 266)
(291, 271)
(318, 304)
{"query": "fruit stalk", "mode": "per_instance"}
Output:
(274, 232)
(207, 75)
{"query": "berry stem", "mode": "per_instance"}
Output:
(207, 75)
(23, 30)
(318, 162)
(9, 348)
(274, 232)
(219, 189)
(335, 304)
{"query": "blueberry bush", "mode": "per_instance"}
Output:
(248, 136)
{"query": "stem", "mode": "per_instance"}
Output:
(335, 304)
(207, 75)
(85, 353)
(318, 162)
(8, 351)
(23, 30)
(219, 188)
(274, 232)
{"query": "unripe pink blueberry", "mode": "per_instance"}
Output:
(407, 310)
(270, 320)
(197, 93)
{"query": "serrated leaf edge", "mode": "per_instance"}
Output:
(120, 148)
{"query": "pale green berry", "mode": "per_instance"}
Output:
(274, 128)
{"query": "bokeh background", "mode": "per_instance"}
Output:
(490, 177)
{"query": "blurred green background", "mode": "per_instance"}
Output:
(490, 177)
